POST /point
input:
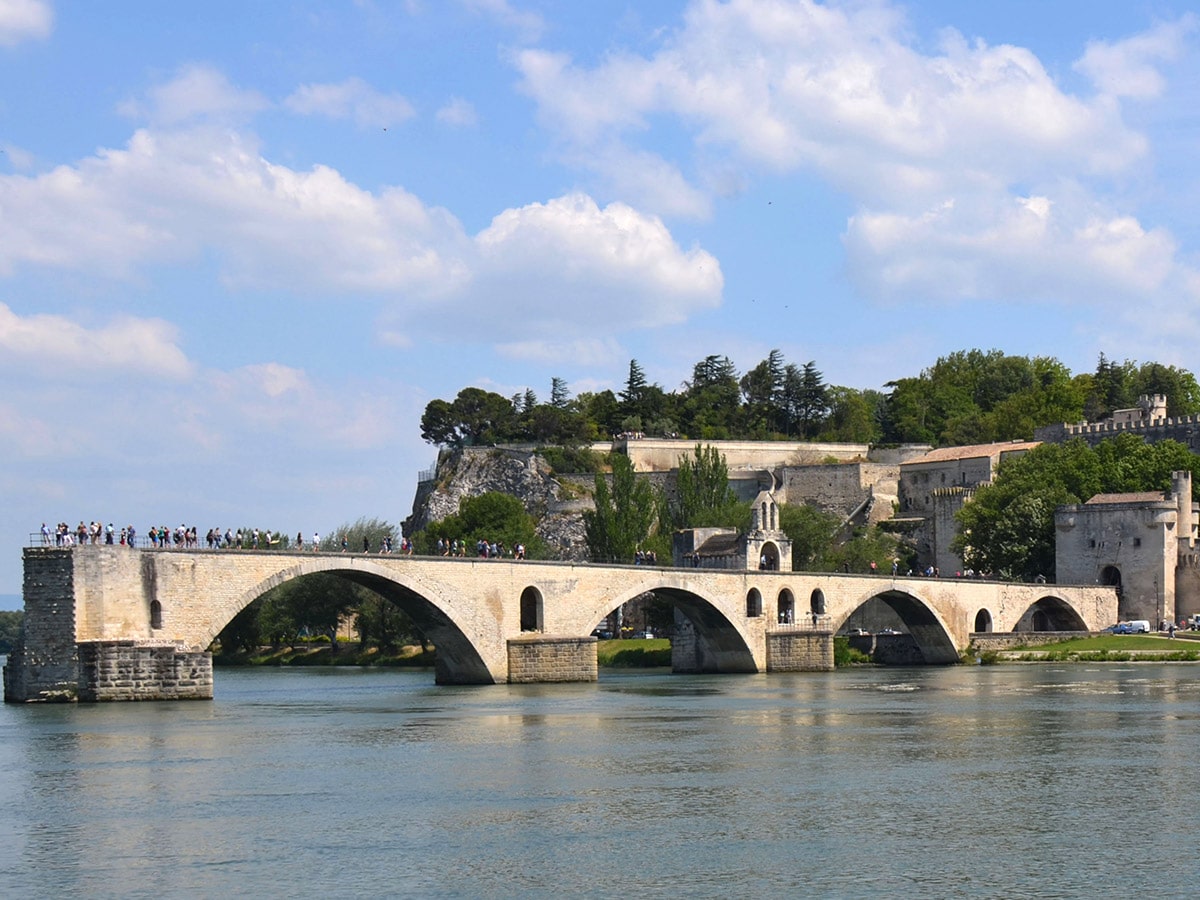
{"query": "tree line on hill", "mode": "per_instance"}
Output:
(967, 397)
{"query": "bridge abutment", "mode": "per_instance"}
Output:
(547, 658)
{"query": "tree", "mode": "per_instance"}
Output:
(1008, 527)
(703, 496)
(853, 416)
(559, 395)
(635, 384)
(812, 533)
(475, 417)
(10, 629)
(493, 517)
(623, 516)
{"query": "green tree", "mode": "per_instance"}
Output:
(1008, 527)
(10, 629)
(703, 497)
(853, 416)
(559, 395)
(623, 516)
(493, 517)
(812, 533)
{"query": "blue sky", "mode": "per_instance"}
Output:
(242, 246)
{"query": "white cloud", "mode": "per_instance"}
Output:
(973, 171)
(565, 268)
(22, 20)
(55, 344)
(458, 112)
(197, 92)
(351, 99)
(1129, 68)
(529, 24)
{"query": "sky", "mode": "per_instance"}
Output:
(243, 245)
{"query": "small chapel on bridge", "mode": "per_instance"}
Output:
(763, 547)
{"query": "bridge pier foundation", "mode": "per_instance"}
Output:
(793, 650)
(547, 658)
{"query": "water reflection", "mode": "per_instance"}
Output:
(967, 781)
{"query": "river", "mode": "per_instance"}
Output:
(967, 781)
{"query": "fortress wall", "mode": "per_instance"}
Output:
(841, 488)
(657, 455)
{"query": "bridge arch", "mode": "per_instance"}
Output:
(710, 634)
(457, 661)
(1050, 613)
(933, 637)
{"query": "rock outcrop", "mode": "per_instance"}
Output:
(472, 471)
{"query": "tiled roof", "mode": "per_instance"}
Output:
(1137, 497)
(720, 545)
(974, 451)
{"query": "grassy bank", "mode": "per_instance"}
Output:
(633, 654)
(324, 655)
(1107, 648)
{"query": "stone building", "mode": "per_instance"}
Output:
(1143, 543)
(935, 486)
(764, 546)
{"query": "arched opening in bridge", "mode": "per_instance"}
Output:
(787, 607)
(703, 638)
(753, 604)
(983, 621)
(531, 609)
(1051, 614)
(155, 614)
(390, 616)
(768, 561)
(816, 602)
(907, 632)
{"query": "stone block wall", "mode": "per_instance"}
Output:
(45, 667)
(897, 650)
(799, 651)
(541, 659)
(131, 670)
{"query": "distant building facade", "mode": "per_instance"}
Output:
(933, 487)
(1144, 544)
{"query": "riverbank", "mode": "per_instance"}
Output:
(1105, 648)
(615, 654)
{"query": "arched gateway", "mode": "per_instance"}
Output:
(115, 623)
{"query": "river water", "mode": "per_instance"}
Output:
(1005, 781)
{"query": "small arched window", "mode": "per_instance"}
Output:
(753, 604)
(155, 614)
(531, 609)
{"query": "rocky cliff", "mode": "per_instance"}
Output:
(555, 504)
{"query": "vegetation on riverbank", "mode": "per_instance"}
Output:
(324, 654)
(1107, 648)
(637, 653)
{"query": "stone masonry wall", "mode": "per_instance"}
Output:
(799, 651)
(45, 667)
(546, 658)
(130, 670)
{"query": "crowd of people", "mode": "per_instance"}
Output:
(185, 537)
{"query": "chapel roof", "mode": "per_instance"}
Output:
(972, 451)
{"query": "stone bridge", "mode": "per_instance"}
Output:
(113, 623)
